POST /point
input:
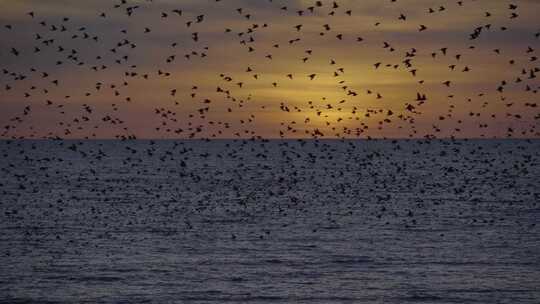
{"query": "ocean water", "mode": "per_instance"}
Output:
(270, 222)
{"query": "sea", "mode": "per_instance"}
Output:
(270, 221)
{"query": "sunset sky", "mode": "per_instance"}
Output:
(492, 90)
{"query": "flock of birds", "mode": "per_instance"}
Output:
(320, 185)
(206, 118)
(231, 108)
(74, 200)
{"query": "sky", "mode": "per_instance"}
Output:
(241, 69)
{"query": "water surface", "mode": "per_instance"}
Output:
(270, 222)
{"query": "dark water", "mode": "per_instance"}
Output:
(273, 222)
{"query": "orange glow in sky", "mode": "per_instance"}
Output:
(293, 69)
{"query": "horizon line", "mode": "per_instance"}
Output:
(270, 139)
